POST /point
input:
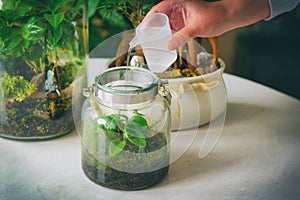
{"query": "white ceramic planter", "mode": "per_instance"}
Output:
(197, 100)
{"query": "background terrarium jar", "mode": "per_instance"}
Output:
(43, 46)
(126, 130)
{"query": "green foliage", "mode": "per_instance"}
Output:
(92, 8)
(119, 130)
(15, 87)
(110, 17)
(29, 26)
(40, 34)
(134, 10)
(67, 73)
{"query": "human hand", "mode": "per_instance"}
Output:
(198, 18)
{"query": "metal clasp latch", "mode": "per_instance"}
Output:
(88, 91)
(166, 94)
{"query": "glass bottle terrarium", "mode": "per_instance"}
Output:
(125, 129)
(43, 47)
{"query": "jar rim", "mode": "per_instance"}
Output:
(126, 85)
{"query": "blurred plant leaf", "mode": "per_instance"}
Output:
(54, 19)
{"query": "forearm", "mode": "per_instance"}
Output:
(199, 18)
(245, 12)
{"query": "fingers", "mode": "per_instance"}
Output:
(180, 37)
(154, 9)
(163, 7)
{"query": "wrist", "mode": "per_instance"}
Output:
(245, 12)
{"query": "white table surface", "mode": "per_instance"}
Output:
(256, 157)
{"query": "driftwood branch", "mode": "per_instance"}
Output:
(193, 50)
(37, 79)
(213, 41)
(123, 49)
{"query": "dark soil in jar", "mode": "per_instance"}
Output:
(105, 175)
(37, 118)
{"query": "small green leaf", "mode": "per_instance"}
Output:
(107, 122)
(138, 141)
(116, 146)
(133, 134)
(54, 19)
(16, 53)
(92, 8)
(6, 32)
(10, 5)
(13, 41)
(139, 119)
(32, 32)
(56, 5)
(57, 35)
(111, 135)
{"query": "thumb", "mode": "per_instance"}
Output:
(178, 39)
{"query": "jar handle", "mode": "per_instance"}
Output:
(88, 91)
(164, 91)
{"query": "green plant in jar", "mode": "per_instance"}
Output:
(125, 143)
(120, 131)
(43, 45)
(125, 130)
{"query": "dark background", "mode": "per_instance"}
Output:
(266, 52)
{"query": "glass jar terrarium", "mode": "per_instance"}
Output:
(125, 129)
(43, 46)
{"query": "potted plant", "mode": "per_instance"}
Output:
(43, 45)
(195, 78)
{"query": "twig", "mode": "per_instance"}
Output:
(214, 45)
(32, 65)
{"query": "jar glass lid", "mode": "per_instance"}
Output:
(124, 85)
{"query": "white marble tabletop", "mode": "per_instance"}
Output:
(256, 157)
